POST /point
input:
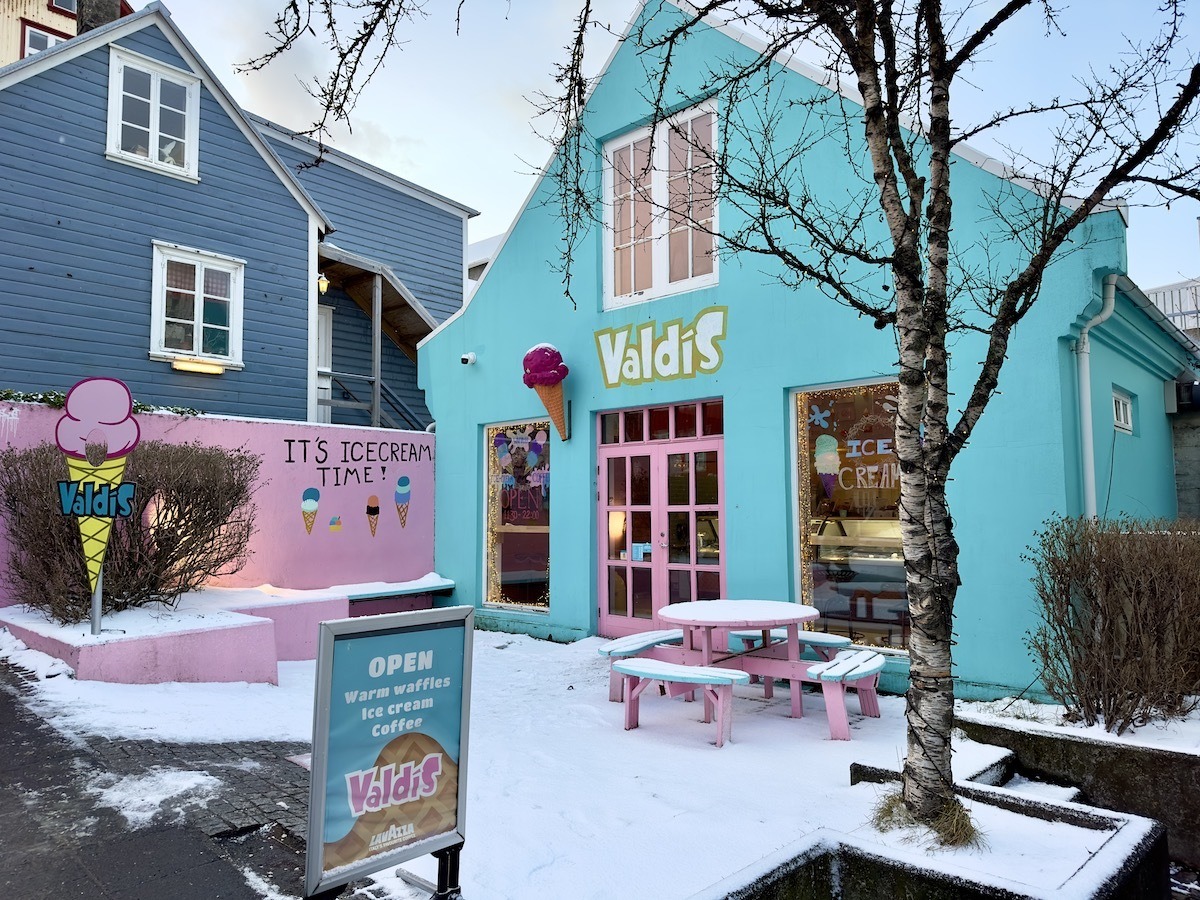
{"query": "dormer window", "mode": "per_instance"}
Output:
(153, 115)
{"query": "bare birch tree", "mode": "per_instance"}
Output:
(888, 249)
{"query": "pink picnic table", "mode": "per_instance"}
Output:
(701, 618)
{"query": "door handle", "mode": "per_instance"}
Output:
(663, 544)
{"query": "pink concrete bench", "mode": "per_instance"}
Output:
(632, 645)
(858, 669)
(677, 679)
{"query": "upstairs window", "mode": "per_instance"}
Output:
(197, 305)
(153, 115)
(65, 6)
(36, 38)
(661, 209)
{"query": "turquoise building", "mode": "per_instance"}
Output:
(730, 436)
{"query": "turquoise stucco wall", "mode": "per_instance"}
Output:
(1020, 467)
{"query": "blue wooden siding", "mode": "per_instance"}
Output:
(352, 354)
(76, 252)
(421, 242)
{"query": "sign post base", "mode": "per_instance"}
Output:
(448, 887)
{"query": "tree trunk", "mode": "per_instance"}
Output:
(932, 586)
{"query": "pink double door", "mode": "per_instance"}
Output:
(661, 529)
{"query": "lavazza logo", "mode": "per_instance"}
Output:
(634, 355)
(392, 834)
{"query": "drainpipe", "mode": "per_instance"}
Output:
(1083, 364)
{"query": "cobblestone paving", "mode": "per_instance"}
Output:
(259, 784)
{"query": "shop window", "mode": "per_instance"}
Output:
(660, 197)
(1122, 412)
(518, 515)
(849, 495)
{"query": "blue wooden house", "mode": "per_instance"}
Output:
(154, 231)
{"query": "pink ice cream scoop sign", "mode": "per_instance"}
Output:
(544, 372)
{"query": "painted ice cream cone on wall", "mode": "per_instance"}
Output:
(544, 372)
(96, 434)
(308, 507)
(403, 497)
(373, 513)
(825, 455)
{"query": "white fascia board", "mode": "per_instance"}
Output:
(365, 169)
(1140, 300)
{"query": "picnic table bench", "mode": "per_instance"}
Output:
(858, 669)
(634, 645)
(717, 683)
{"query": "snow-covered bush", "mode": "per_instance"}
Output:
(191, 519)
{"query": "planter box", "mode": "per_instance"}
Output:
(1145, 781)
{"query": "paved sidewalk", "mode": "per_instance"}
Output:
(57, 841)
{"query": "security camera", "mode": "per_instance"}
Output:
(468, 359)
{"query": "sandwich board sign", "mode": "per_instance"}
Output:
(389, 763)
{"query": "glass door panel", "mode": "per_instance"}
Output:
(660, 523)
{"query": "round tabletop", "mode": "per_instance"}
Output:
(737, 613)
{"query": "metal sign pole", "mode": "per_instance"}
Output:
(448, 887)
(96, 595)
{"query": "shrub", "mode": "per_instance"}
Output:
(1119, 601)
(192, 520)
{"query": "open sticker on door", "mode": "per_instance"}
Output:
(641, 552)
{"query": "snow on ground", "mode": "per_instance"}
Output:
(562, 802)
(139, 798)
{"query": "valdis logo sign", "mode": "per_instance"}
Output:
(636, 354)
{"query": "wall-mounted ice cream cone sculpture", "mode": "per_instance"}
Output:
(545, 372)
(96, 434)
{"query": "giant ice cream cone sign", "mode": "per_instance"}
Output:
(96, 434)
(544, 372)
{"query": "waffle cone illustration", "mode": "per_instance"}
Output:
(96, 433)
(429, 816)
(373, 513)
(94, 531)
(402, 497)
(551, 396)
(308, 507)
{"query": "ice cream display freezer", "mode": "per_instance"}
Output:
(858, 578)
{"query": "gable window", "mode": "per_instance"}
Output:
(661, 208)
(197, 305)
(1122, 412)
(153, 115)
(65, 6)
(36, 38)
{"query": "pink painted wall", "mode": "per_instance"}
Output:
(345, 464)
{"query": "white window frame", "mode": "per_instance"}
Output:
(660, 162)
(119, 60)
(60, 6)
(1122, 412)
(164, 253)
(51, 39)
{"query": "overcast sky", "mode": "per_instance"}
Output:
(451, 111)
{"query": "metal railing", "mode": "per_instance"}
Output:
(398, 414)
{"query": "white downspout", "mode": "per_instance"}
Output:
(1083, 362)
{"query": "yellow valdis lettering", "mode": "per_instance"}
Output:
(681, 351)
